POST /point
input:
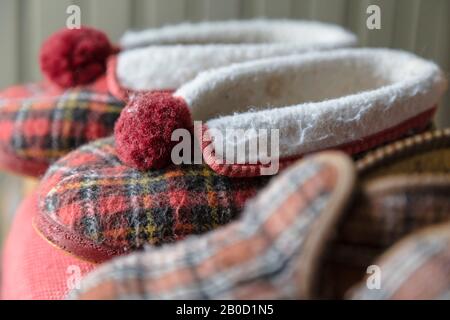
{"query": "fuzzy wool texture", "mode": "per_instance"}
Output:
(144, 129)
(192, 48)
(316, 100)
(72, 57)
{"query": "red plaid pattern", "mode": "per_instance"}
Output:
(39, 124)
(94, 200)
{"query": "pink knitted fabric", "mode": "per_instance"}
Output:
(31, 267)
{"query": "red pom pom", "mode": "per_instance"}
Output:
(144, 129)
(72, 57)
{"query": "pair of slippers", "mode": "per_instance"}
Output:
(87, 80)
(311, 233)
(118, 183)
(121, 194)
(341, 93)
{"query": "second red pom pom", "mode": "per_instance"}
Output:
(144, 129)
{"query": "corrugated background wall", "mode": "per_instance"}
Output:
(421, 26)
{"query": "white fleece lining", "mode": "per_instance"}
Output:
(262, 31)
(210, 45)
(316, 100)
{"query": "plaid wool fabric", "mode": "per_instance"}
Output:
(268, 253)
(39, 124)
(385, 216)
(403, 187)
(377, 220)
(418, 267)
(107, 208)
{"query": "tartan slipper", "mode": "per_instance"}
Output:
(270, 252)
(40, 123)
(402, 187)
(31, 267)
(87, 78)
(94, 207)
(426, 276)
(349, 99)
